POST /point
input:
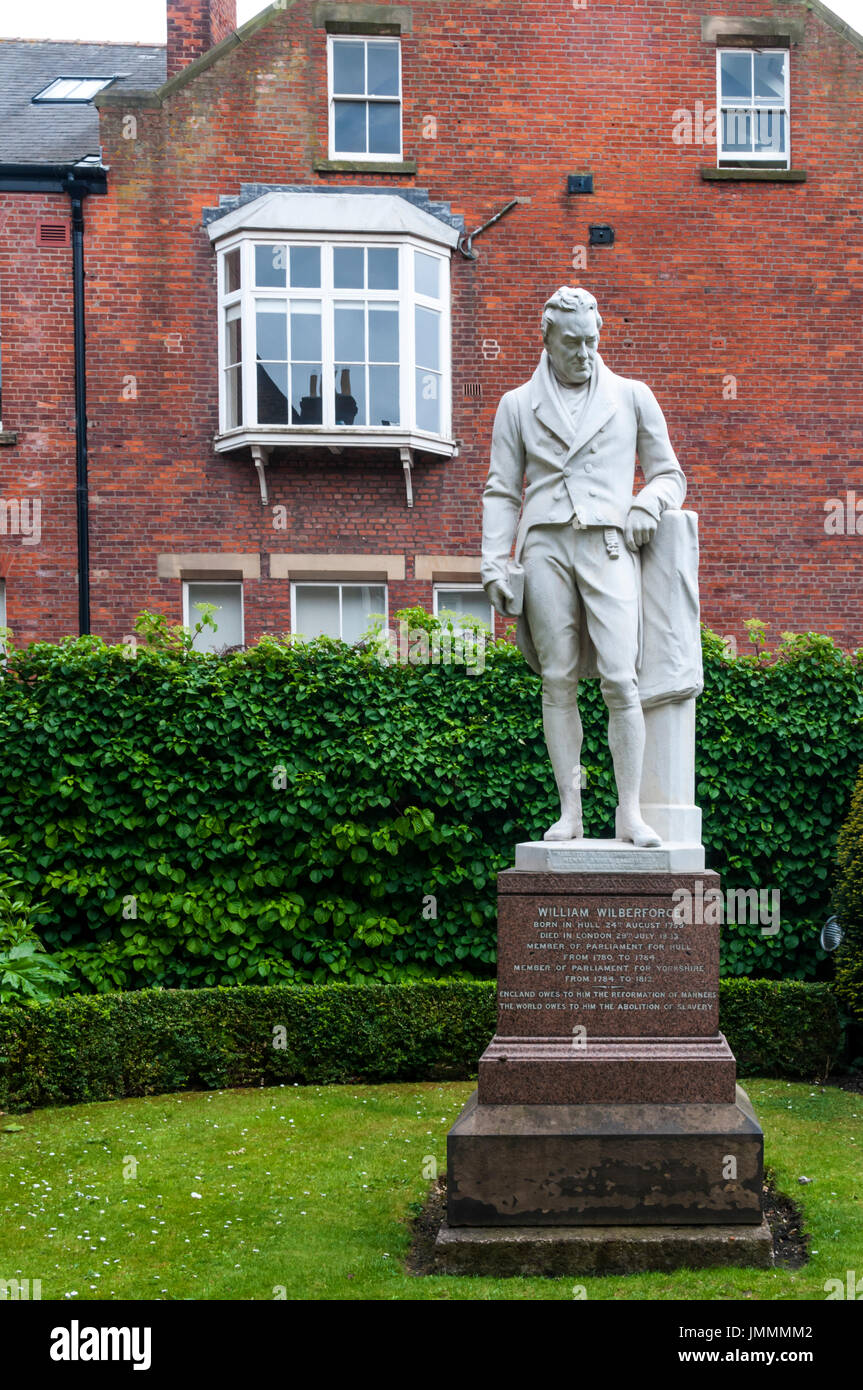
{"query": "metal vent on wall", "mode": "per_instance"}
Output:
(472, 388)
(52, 234)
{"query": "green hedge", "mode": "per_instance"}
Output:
(848, 902)
(99, 1047)
(304, 813)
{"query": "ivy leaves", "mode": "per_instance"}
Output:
(305, 812)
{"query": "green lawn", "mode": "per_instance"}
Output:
(306, 1190)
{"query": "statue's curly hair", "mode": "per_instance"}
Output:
(569, 299)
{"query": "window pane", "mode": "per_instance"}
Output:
(350, 331)
(228, 617)
(348, 272)
(427, 275)
(383, 268)
(427, 338)
(305, 331)
(428, 400)
(349, 64)
(349, 119)
(470, 601)
(385, 127)
(770, 131)
(383, 67)
(232, 271)
(234, 397)
(383, 333)
(273, 393)
(271, 266)
(305, 267)
(736, 131)
(383, 395)
(350, 384)
(233, 336)
(306, 400)
(62, 89)
(271, 330)
(359, 601)
(770, 78)
(317, 609)
(736, 77)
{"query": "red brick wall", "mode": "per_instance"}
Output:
(38, 406)
(705, 280)
(194, 26)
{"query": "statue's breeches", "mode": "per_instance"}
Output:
(572, 583)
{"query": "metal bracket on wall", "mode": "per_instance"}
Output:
(465, 243)
(407, 464)
(260, 455)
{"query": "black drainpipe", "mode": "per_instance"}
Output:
(79, 180)
(77, 192)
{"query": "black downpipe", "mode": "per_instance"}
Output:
(82, 498)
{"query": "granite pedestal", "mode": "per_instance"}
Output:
(608, 1096)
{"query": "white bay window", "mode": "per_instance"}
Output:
(334, 323)
(339, 336)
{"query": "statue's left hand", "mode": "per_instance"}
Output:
(640, 528)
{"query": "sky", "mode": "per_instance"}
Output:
(144, 21)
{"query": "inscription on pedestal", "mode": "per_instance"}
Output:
(613, 965)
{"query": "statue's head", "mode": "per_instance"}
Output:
(570, 329)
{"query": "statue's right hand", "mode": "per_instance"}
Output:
(500, 594)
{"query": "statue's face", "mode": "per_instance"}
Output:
(571, 341)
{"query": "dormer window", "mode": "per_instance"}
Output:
(334, 336)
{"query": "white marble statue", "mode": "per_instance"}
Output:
(587, 601)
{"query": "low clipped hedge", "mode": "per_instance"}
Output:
(101, 1047)
(781, 1028)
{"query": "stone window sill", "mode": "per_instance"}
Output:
(712, 174)
(365, 166)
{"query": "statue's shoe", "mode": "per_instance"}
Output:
(565, 829)
(639, 834)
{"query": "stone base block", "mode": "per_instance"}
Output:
(607, 857)
(564, 1250)
(605, 1165)
(659, 1071)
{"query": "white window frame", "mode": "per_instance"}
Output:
(355, 156)
(773, 158)
(453, 588)
(406, 433)
(46, 93)
(339, 584)
(188, 623)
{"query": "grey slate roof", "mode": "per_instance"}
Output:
(250, 191)
(61, 133)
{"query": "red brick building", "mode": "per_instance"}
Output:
(295, 347)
